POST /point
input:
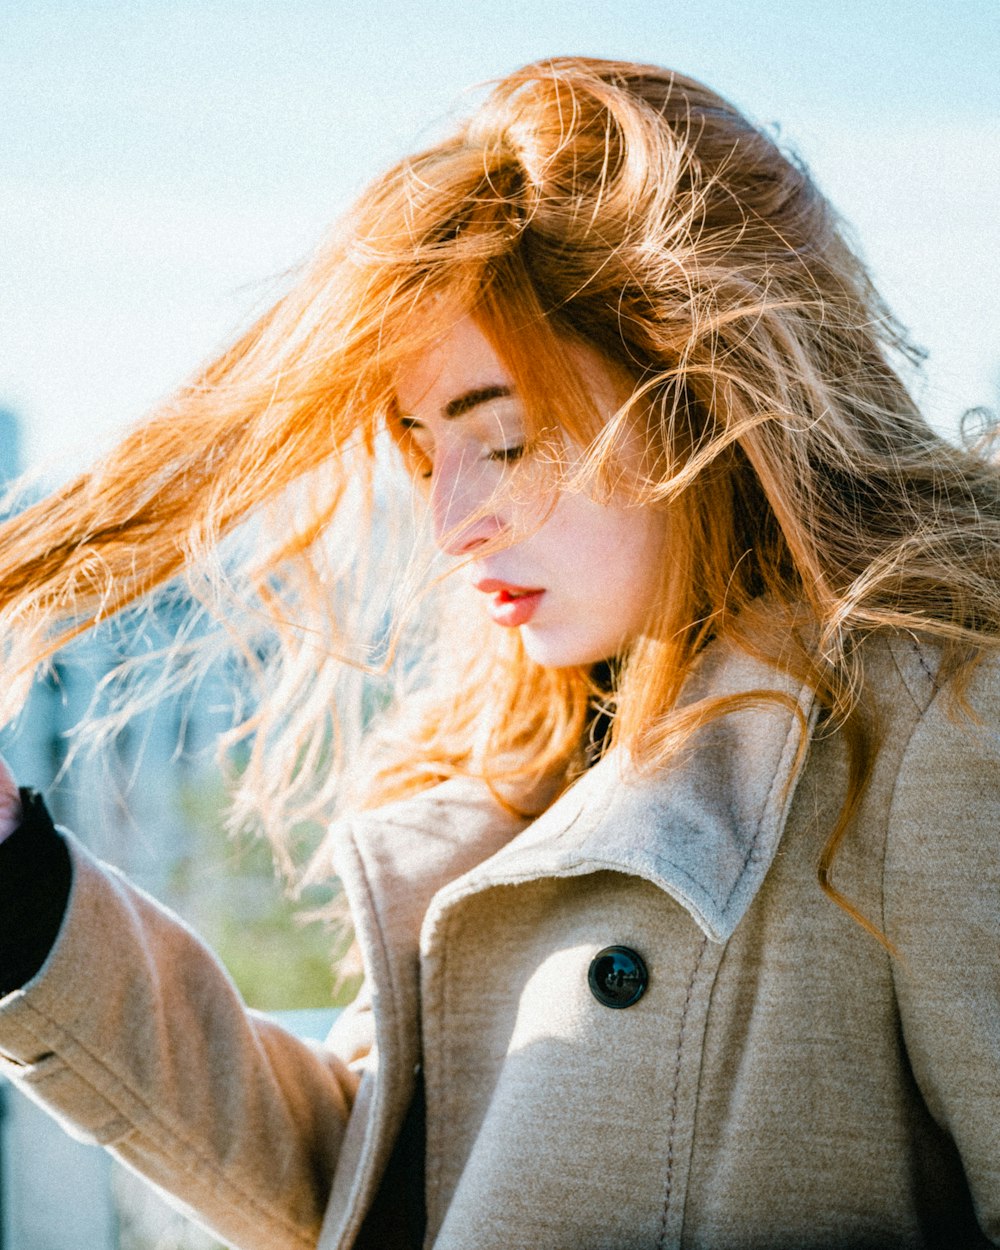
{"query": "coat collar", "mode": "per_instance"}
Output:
(704, 830)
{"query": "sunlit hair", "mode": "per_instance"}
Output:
(620, 208)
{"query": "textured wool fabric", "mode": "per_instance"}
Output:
(783, 1081)
(135, 1039)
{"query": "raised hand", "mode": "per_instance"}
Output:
(10, 801)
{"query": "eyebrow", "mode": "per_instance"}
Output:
(462, 404)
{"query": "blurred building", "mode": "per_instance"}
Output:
(10, 446)
(143, 801)
(133, 800)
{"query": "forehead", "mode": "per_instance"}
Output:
(458, 367)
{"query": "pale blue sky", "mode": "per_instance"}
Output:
(162, 159)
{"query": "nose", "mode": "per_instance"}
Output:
(463, 505)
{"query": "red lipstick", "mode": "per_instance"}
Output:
(510, 605)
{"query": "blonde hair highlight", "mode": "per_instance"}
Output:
(628, 211)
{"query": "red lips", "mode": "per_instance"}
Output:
(510, 605)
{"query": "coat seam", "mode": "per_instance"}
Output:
(891, 807)
(391, 979)
(364, 1174)
(432, 1181)
(169, 1134)
(760, 822)
(931, 677)
(905, 680)
(675, 1097)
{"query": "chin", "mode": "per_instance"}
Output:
(555, 652)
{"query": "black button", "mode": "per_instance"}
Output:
(617, 976)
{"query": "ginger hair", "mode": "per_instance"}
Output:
(620, 207)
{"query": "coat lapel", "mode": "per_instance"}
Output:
(705, 829)
(390, 863)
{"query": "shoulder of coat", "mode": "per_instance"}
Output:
(909, 667)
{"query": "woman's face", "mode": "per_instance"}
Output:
(575, 576)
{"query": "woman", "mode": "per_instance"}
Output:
(673, 864)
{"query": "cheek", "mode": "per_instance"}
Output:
(622, 547)
(650, 546)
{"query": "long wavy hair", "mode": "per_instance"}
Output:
(620, 207)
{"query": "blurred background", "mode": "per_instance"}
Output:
(163, 162)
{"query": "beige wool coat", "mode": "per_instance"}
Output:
(783, 1082)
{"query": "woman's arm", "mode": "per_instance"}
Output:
(134, 1037)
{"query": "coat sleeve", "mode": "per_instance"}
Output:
(133, 1036)
(942, 900)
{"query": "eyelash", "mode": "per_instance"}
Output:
(507, 455)
(502, 455)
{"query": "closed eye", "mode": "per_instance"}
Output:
(507, 455)
(501, 455)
